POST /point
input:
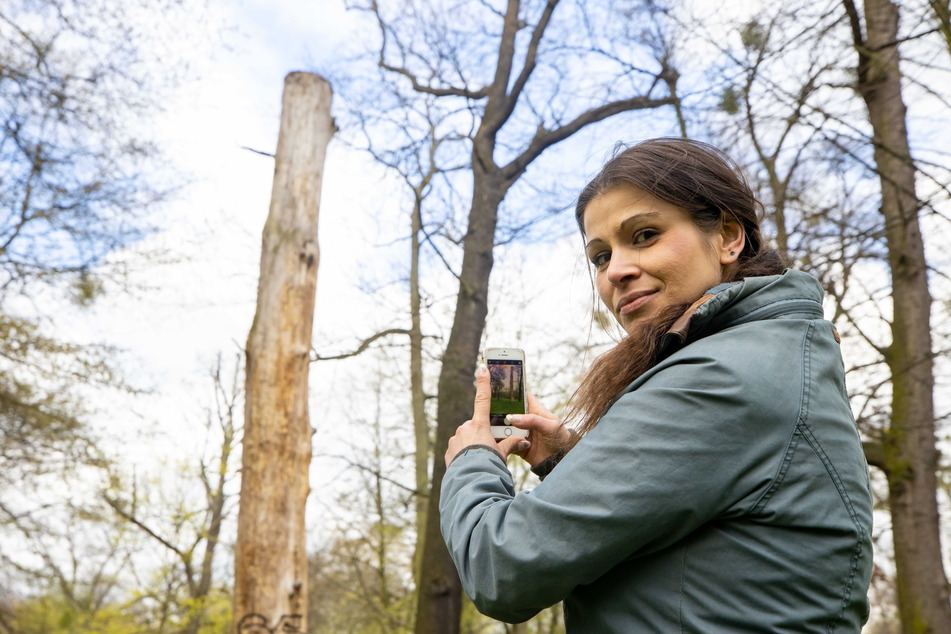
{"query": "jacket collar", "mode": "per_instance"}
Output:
(749, 299)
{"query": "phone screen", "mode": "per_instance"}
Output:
(508, 389)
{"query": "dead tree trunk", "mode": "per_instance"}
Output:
(271, 559)
(910, 452)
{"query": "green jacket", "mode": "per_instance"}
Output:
(725, 490)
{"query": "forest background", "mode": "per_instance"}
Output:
(136, 174)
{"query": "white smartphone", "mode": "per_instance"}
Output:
(507, 374)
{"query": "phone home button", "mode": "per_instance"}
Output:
(508, 431)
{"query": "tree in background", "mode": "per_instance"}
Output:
(191, 587)
(79, 179)
(73, 188)
(414, 135)
(827, 140)
(73, 564)
(909, 444)
(141, 553)
(74, 185)
(361, 580)
(536, 90)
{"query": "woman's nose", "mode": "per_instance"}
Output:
(621, 268)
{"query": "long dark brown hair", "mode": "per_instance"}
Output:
(710, 186)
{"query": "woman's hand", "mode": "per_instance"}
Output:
(549, 435)
(478, 431)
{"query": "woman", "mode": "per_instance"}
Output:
(715, 481)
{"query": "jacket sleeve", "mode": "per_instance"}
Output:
(688, 445)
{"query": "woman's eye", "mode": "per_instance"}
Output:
(644, 235)
(600, 259)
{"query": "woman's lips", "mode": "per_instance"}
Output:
(631, 302)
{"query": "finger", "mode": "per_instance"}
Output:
(480, 411)
(451, 450)
(534, 422)
(513, 444)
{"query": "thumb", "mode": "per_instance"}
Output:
(513, 444)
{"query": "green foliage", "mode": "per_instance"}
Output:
(357, 588)
(40, 411)
(730, 100)
(216, 613)
(86, 289)
(55, 613)
(754, 36)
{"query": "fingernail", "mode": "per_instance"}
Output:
(513, 418)
(524, 445)
(481, 369)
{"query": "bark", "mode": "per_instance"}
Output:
(439, 592)
(417, 394)
(942, 17)
(270, 558)
(910, 452)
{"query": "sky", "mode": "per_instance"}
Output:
(193, 294)
(193, 283)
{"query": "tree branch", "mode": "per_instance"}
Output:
(855, 23)
(450, 91)
(503, 68)
(376, 473)
(530, 58)
(261, 152)
(430, 90)
(875, 455)
(363, 345)
(546, 138)
(130, 517)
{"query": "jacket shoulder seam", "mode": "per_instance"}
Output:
(781, 300)
(792, 442)
(805, 431)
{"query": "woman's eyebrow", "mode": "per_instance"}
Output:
(592, 241)
(647, 216)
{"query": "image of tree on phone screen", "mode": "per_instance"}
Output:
(507, 390)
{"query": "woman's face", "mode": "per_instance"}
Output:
(649, 254)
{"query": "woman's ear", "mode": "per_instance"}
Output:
(732, 241)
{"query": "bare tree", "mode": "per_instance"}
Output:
(72, 75)
(79, 181)
(539, 88)
(910, 452)
(191, 534)
(829, 143)
(73, 560)
(359, 579)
